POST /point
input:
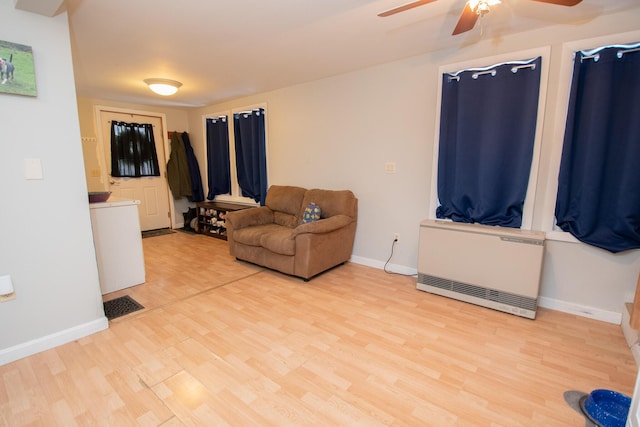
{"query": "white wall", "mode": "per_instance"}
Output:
(339, 132)
(46, 243)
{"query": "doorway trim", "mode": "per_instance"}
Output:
(99, 109)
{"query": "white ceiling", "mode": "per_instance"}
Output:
(225, 49)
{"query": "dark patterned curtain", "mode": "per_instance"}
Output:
(219, 176)
(251, 155)
(598, 198)
(133, 150)
(487, 133)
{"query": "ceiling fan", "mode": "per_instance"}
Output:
(473, 9)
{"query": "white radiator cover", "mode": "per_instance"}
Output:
(495, 267)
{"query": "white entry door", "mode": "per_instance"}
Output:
(152, 191)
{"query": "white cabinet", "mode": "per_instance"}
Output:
(118, 242)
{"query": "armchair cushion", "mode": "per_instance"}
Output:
(250, 217)
(285, 202)
(253, 235)
(280, 241)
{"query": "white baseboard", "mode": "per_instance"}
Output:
(400, 269)
(581, 310)
(550, 303)
(29, 348)
(632, 336)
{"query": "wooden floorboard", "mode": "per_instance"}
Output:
(226, 343)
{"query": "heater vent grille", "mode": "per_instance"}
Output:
(499, 300)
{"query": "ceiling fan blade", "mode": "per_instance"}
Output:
(404, 7)
(466, 21)
(561, 2)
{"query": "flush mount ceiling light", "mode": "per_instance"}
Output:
(164, 87)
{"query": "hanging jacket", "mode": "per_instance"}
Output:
(178, 169)
(197, 192)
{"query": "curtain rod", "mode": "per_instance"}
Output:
(492, 69)
(250, 111)
(132, 124)
(595, 57)
(527, 62)
(515, 68)
(622, 52)
(595, 53)
(482, 73)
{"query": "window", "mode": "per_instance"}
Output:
(133, 150)
(598, 200)
(487, 152)
(237, 156)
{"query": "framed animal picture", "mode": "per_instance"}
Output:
(17, 74)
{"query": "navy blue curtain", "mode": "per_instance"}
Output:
(197, 192)
(487, 132)
(133, 150)
(251, 155)
(598, 198)
(219, 177)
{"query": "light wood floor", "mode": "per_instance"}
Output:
(222, 342)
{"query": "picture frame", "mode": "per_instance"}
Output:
(17, 72)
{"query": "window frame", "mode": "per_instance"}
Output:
(543, 52)
(236, 192)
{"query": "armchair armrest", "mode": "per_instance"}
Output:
(325, 225)
(248, 217)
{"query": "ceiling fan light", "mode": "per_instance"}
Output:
(164, 87)
(482, 6)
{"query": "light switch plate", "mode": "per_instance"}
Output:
(33, 169)
(390, 167)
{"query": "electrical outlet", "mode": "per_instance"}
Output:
(396, 237)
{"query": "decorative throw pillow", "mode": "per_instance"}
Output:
(311, 213)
